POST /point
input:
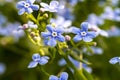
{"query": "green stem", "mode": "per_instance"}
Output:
(44, 71)
(77, 58)
(81, 58)
(78, 74)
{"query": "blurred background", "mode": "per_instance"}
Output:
(16, 49)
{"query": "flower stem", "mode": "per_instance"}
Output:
(44, 71)
(81, 57)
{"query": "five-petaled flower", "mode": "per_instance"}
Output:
(63, 76)
(37, 59)
(114, 60)
(53, 7)
(52, 35)
(83, 34)
(26, 6)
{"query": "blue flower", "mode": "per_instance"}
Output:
(114, 60)
(83, 34)
(37, 59)
(52, 35)
(63, 76)
(26, 6)
(53, 7)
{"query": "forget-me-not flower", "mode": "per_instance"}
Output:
(37, 59)
(83, 34)
(26, 6)
(114, 60)
(52, 35)
(54, 6)
(63, 76)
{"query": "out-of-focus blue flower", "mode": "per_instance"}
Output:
(11, 30)
(62, 62)
(2, 68)
(61, 22)
(108, 13)
(95, 50)
(52, 35)
(114, 2)
(66, 13)
(83, 34)
(63, 76)
(114, 60)
(114, 31)
(97, 30)
(26, 6)
(3, 19)
(53, 7)
(95, 20)
(37, 59)
(117, 14)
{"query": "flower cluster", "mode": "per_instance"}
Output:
(55, 35)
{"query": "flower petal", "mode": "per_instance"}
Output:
(36, 57)
(60, 38)
(54, 4)
(50, 28)
(64, 76)
(20, 4)
(87, 39)
(52, 77)
(21, 11)
(46, 41)
(44, 5)
(77, 38)
(45, 34)
(114, 60)
(84, 26)
(43, 60)
(52, 42)
(30, 1)
(32, 64)
(75, 30)
(29, 10)
(91, 34)
(34, 7)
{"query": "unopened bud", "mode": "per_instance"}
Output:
(53, 24)
(45, 15)
(67, 38)
(25, 26)
(94, 44)
(32, 34)
(42, 10)
(37, 39)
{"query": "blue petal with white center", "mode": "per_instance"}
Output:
(26, 6)
(83, 33)
(52, 35)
